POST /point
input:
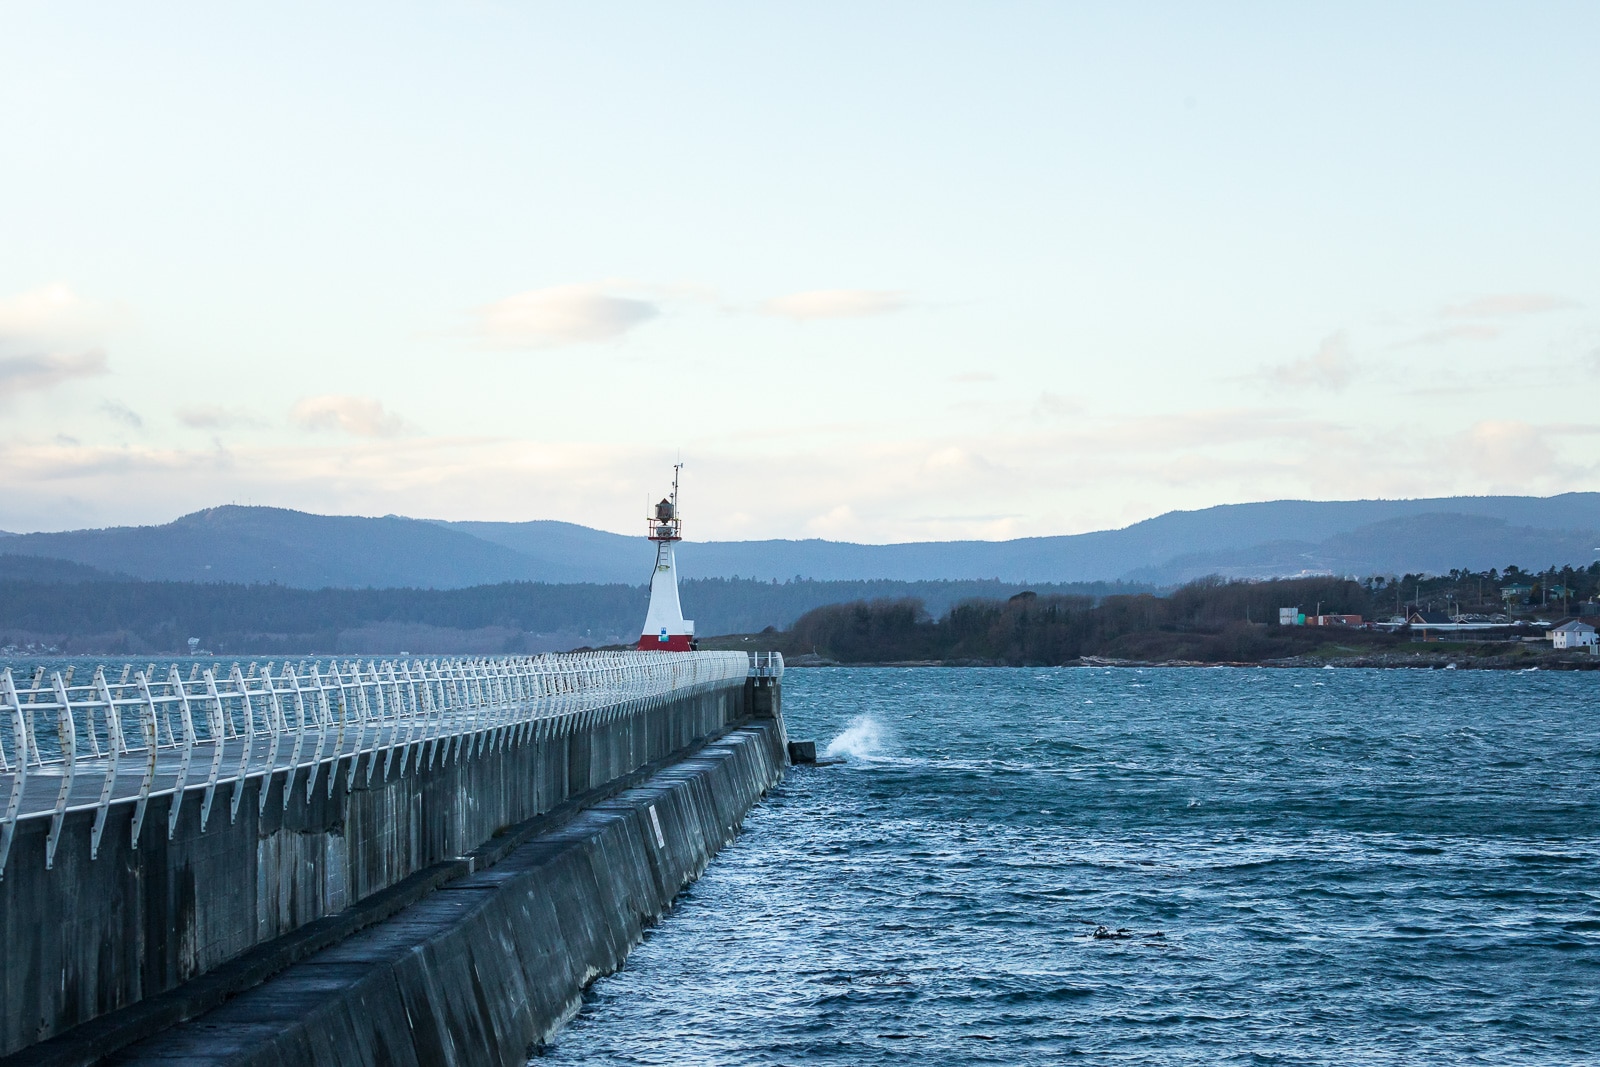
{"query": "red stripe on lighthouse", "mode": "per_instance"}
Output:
(673, 643)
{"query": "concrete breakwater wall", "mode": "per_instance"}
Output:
(90, 934)
(492, 963)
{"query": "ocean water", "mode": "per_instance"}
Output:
(1151, 867)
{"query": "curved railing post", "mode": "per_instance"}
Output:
(114, 743)
(457, 689)
(299, 734)
(320, 713)
(247, 740)
(67, 730)
(11, 702)
(433, 698)
(276, 725)
(175, 681)
(149, 726)
(394, 730)
(333, 686)
(411, 708)
(362, 718)
(215, 718)
(357, 702)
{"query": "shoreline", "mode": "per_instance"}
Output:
(1416, 661)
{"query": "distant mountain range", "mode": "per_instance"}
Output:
(1277, 538)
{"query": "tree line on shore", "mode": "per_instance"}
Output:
(1205, 621)
(1210, 620)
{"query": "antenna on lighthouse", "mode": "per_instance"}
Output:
(665, 524)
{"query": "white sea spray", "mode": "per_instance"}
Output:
(863, 738)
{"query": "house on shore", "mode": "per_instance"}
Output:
(1573, 634)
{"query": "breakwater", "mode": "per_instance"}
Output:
(482, 970)
(174, 828)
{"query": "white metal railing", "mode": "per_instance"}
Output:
(72, 745)
(766, 665)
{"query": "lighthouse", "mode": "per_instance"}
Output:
(665, 628)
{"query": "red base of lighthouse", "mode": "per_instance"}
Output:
(673, 643)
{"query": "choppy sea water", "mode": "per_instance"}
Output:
(1294, 867)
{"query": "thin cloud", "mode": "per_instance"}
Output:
(1331, 366)
(1474, 331)
(215, 417)
(120, 412)
(838, 521)
(562, 315)
(48, 336)
(834, 304)
(1507, 452)
(1055, 406)
(973, 377)
(362, 416)
(955, 460)
(29, 373)
(52, 312)
(1505, 305)
(1180, 432)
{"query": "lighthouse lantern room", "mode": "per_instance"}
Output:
(665, 628)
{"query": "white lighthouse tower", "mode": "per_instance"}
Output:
(665, 628)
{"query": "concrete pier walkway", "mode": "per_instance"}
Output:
(267, 817)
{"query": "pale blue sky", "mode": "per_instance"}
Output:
(880, 272)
